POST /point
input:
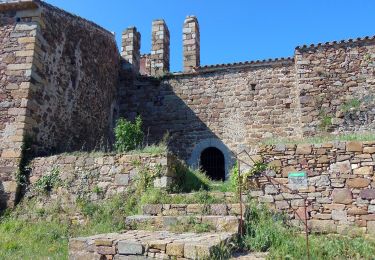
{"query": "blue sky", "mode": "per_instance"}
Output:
(234, 30)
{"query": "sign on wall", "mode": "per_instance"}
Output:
(297, 180)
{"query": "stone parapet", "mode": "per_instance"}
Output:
(131, 44)
(191, 44)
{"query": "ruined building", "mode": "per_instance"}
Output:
(63, 83)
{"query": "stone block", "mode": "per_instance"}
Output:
(342, 196)
(219, 209)
(371, 209)
(287, 170)
(303, 149)
(163, 182)
(358, 182)
(282, 204)
(129, 248)
(152, 209)
(175, 249)
(365, 170)
(368, 194)
(342, 167)
(122, 179)
(106, 250)
(270, 189)
(322, 226)
(370, 150)
(103, 242)
(340, 215)
(354, 146)
(371, 227)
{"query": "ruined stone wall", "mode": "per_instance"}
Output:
(336, 83)
(17, 38)
(341, 187)
(239, 106)
(95, 176)
(76, 84)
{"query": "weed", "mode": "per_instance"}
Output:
(129, 136)
(49, 181)
(351, 105)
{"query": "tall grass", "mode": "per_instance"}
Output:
(269, 231)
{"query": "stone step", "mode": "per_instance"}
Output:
(141, 244)
(193, 209)
(228, 197)
(173, 223)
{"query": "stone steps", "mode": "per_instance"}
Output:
(172, 223)
(141, 244)
(227, 197)
(223, 209)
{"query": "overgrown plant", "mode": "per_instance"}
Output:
(129, 136)
(325, 121)
(351, 105)
(49, 181)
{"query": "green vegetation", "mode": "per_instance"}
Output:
(48, 181)
(351, 105)
(366, 136)
(325, 121)
(129, 136)
(269, 231)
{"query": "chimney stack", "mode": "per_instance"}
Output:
(191, 43)
(160, 48)
(131, 45)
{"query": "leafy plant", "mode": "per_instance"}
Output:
(351, 105)
(49, 181)
(325, 120)
(129, 136)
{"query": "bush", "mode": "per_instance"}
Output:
(129, 136)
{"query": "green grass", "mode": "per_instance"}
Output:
(268, 231)
(151, 149)
(368, 136)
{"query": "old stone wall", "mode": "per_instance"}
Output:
(95, 176)
(336, 84)
(76, 84)
(238, 106)
(18, 29)
(341, 186)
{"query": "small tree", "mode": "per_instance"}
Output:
(129, 136)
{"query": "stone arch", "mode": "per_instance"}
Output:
(207, 143)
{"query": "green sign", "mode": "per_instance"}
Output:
(297, 180)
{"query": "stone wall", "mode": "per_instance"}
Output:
(95, 176)
(341, 185)
(237, 105)
(336, 84)
(76, 84)
(18, 29)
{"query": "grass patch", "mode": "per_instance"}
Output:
(191, 225)
(368, 136)
(151, 149)
(268, 231)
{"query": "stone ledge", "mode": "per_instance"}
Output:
(6, 5)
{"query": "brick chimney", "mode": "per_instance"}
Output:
(131, 44)
(191, 43)
(160, 48)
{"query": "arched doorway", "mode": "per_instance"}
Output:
(212, 162)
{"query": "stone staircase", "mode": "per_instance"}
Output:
(163, 231)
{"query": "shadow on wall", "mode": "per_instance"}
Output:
(163, 111)
(3, 198)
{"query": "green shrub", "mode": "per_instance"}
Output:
(129, 136)
(351, 105)
(49, 181)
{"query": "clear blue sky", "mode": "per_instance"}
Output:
(234, 30)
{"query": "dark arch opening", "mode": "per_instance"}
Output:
(212, 162)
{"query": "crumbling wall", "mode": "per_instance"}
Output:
(336, 83)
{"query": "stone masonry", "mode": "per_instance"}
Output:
(131, 44)
(62, 87)
(96, 176)
(191, 43)
(341, 187)
(160, 48)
